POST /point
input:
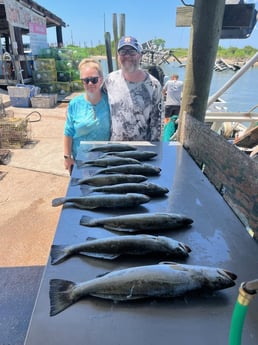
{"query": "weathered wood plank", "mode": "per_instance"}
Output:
(248, 139)
(231, 171)
(184, 16)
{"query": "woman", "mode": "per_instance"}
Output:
(88, 116)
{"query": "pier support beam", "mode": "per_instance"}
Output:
(205, 34)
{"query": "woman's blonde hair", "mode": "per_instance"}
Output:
(88, 62)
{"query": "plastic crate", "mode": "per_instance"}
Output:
(23, 91)
(20, 102)
(44, 101)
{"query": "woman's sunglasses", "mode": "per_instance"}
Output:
(93, 80)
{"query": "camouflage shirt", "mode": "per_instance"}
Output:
(135, 108)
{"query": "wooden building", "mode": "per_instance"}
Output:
(20, 18)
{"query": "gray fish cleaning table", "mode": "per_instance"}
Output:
(217, 238)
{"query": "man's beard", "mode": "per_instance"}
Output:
(130, 67)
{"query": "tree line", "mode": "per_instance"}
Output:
(227, 53)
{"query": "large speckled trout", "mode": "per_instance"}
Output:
(138, 154)
(106, 201)
(116, 147)
(142, 169)
(139, 222)
(153, 281)
(107, 180)
(112, 247)
(108, 161)
(150, 189)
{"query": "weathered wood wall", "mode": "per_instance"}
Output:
(233, 173)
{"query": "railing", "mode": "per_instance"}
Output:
(245, 119)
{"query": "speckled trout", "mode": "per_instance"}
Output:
(138, 154)
(108, 161)
(106, 180)
(112, 247)
(147, 188)
(142, 169)
(139, 222)
(154, 281)
(117, 147)
(106, 201)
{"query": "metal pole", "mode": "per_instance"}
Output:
(231, 81)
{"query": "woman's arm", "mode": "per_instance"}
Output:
(68, 159)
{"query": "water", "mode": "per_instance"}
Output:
(241, 96)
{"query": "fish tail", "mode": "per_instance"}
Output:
(81, 164)
(60, 295)
(87, 221)
(86, 189)
(75, 181)
(58, 254)
(58, 202)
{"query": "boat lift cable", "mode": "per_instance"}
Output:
(247, 292)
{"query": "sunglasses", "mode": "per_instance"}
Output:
(93, 80)
(130, 52)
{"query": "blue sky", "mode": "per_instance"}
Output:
(145, 20)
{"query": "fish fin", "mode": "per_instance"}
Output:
(81, 164)
(58, 254)
(90, 238)
(101, 255)
(102, 274)
(167, 263)
(113, 228)
(175, 265)
(85, 189)
(75, 181)
(86, 221)
(58, 201)
(82, 207)
(60, 294)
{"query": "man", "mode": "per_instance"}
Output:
(173, 92)
(134, 95)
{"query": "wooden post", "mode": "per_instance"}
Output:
(205, 34)
(115, 32)
(122, 25)
(17, 65)
(109, 51)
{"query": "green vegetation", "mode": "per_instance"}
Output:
(227, 53)
(236, 53)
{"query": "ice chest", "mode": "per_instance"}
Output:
(44, 101)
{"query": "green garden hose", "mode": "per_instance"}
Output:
(247, 292)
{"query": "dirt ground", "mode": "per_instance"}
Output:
(33, 177)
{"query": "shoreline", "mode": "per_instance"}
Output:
(239, 62)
